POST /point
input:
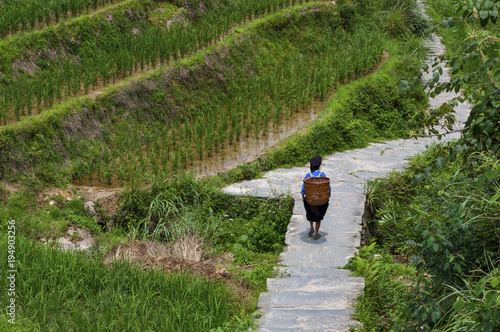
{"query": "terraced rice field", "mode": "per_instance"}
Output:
(136, 90)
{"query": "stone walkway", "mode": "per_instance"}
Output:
(317, 296)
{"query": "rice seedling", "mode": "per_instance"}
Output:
(175, 161)
(100, 171)
(121, 170)
(199, 148)
(90, 169)
(80, 169)
(108, 172)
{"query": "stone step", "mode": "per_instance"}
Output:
(277, 320)
(316, 283)
(300, 237)
(308, 300)
(331, 272)
(318, 255)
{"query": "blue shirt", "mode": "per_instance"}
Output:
(315, 173)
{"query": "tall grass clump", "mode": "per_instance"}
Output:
(170, 210)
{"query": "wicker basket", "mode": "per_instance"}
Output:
(317, 190)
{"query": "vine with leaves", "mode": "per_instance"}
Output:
(479, 86)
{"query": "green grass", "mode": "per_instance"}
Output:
(67, 291)
(49, 221)
(386, 292)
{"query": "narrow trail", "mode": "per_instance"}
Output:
(317, 296)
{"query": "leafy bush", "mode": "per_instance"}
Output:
(386, 288)
(443, 214)
(476, 306)
(258, 226)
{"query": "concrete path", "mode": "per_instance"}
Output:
(317, 296)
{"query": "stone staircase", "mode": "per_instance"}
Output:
(313, 294)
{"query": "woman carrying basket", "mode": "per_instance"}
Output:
(314, 213)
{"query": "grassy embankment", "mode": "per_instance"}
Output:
(368, 109)
(437, 233)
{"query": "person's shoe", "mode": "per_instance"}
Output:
(311, 231)
(316, 237)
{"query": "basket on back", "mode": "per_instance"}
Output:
(317, 190)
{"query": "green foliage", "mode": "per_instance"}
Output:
(347, 14)
(75, 213)
(386, 288)
(50, 221)
(403, 18)
(400, 19)
(474, 61)
(388, 199)
(378, 101)
(445, 221)
(476, 307)
(258, 276)
(21, 325)
(171, 210)
(253, 230)
(257, 226)
(22, 208)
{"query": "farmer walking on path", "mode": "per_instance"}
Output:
(314, 213)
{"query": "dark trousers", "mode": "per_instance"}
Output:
(316, 213)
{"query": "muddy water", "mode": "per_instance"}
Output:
(250, 148)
